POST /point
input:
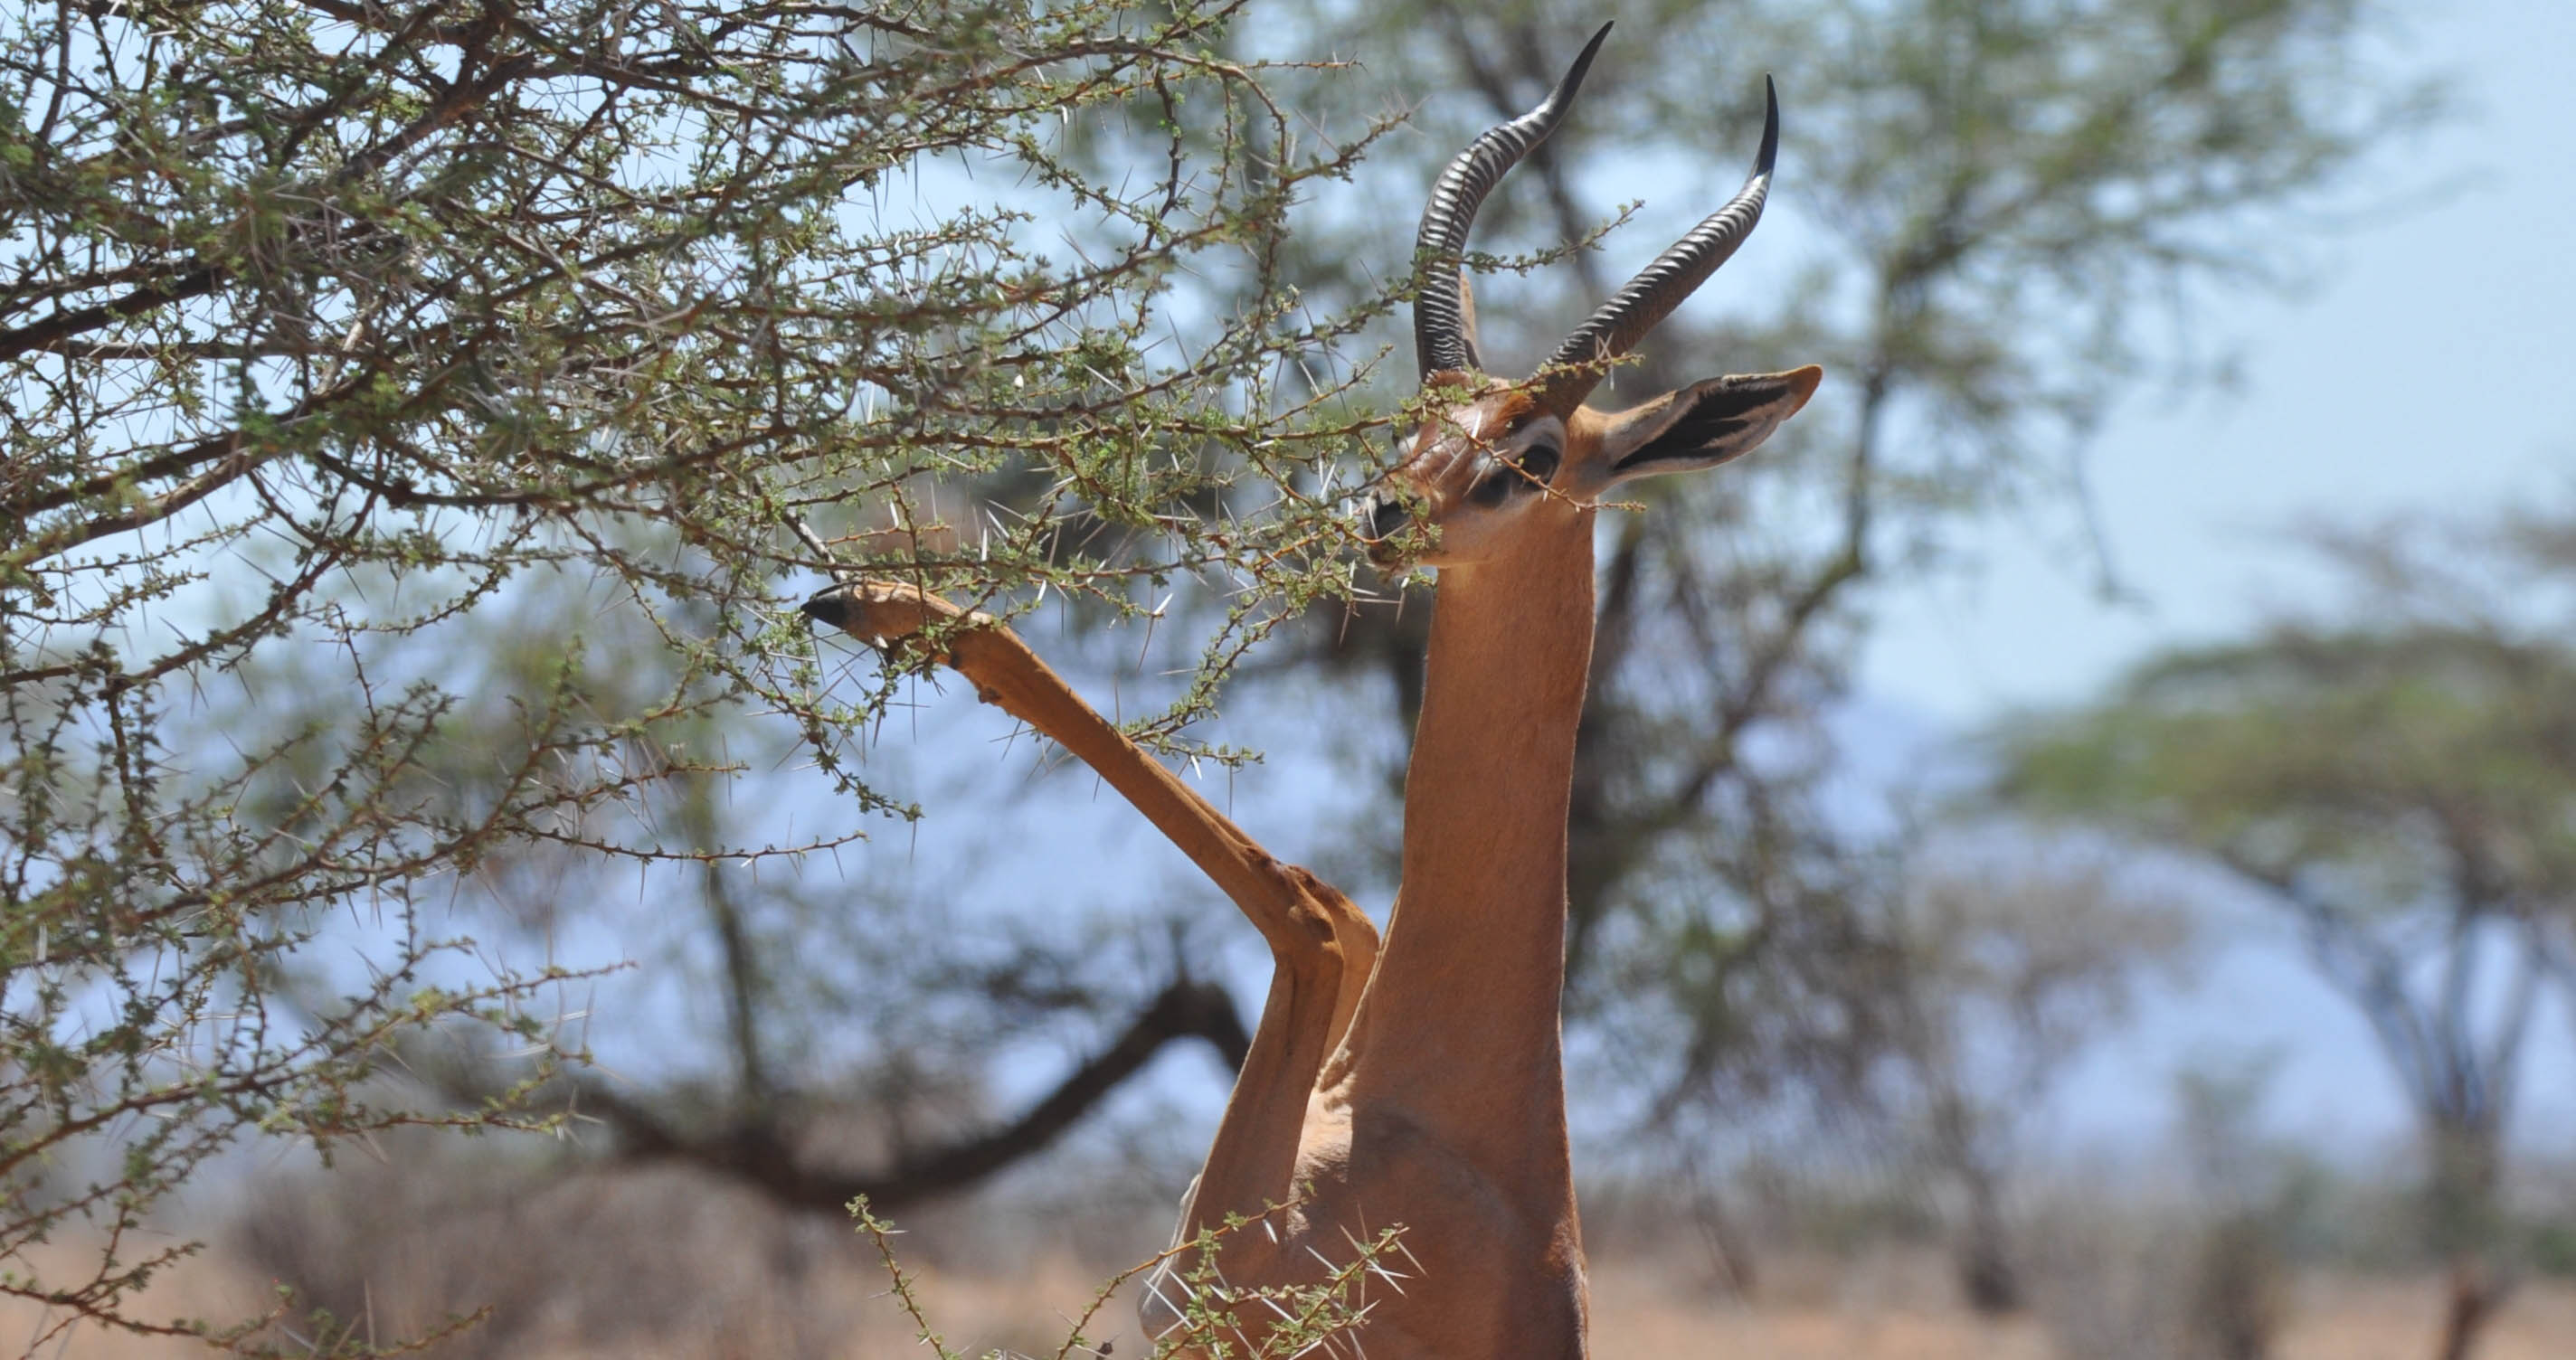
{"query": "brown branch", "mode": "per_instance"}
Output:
(1186, 1009)
(757, 1153)
(62, 325)
(1849, 564)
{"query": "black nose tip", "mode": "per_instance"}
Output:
(1385, 515)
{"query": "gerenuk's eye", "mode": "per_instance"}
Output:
(1540, 463)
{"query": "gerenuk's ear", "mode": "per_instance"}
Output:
(1704, 424)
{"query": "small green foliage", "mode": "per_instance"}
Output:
(2342, 750)
(2399, 779)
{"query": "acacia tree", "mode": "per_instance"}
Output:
(2395, 779)
(1996, 980)
(337, 332)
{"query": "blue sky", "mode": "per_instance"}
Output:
(2429, 369)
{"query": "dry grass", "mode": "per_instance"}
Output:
(1878, 1307)
(1637, 1312)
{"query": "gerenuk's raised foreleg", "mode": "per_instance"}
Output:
(1321, 946)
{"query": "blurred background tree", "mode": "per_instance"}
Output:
(1999, 973)
(2397, 779)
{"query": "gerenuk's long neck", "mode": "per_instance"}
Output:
(1460, 1025)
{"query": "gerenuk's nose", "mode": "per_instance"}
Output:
(1385, 515)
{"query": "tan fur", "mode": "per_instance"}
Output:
(1418, 1083)
(1443, 1107)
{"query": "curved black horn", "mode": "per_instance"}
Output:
(1440, 339)
(1652, 295)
